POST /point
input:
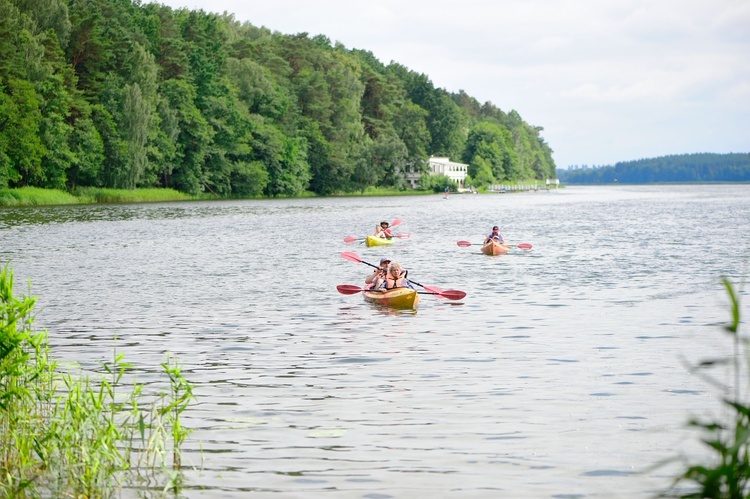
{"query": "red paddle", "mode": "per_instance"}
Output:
(451, 294)
(351, 239)
(464, 244)
(353, 257)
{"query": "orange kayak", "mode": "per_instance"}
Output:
(394, 298)
(493, 248)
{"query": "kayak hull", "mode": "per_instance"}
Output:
(378, 241)
(403, 298)
(493, 249)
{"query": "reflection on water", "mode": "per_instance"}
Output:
(560, 374)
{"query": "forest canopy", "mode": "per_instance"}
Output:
(700, 167)
(121, 94)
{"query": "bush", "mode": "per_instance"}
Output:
(436, 183)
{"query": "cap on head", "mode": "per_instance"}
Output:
(384, 260)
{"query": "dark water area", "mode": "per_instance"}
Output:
(563, 373)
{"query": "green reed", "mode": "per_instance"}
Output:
(35, 196)
(73, 435)
(727, 474)
(102, 195)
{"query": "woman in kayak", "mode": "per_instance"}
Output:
(383, 230)
(396, 277)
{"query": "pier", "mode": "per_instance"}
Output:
(536, 186)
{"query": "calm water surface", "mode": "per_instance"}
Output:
(561, 374)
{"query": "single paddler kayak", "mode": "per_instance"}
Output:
(378, 241)
(394, 298)
(493, 248)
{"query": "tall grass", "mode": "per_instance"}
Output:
(35, 196)
(63, 434)
(101, 195)
(727, 472)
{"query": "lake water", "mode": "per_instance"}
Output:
(563, 373)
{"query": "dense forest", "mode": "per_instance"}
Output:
(702, 167)
(116, 93)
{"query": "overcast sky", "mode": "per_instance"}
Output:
(608, 80)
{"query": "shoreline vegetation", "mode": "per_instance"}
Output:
(37, 196)
(135, 95)
(70, 432)
(677, 168)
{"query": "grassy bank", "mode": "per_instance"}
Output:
(34, 196)
(101, 195)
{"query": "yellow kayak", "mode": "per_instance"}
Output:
(378, 241)
(394, 298)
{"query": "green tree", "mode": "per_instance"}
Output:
(492, 144)
(388, 156)
(249, 179)
(411, 126)
(20, 145)
(88, 150)
(283, 157)
(482, 169)
(136, 116)
(48, 14)
(193, 139)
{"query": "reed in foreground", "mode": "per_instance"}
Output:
(67, 435)
(727, 474)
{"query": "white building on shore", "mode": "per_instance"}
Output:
(438, 165)
(444, 166)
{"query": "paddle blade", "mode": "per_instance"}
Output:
(351, 239)
(396, 222)
(453, 294)
(403, 236)
(464, 244)
(353, 257)
(348, 289)
(525, 246)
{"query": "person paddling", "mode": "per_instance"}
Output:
(495, 236)
(383, 230)
(377, 278)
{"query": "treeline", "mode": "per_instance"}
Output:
(701, 167)
(113, 93)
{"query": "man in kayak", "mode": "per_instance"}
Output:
(495, 236)
(377, 278)
(383, 230)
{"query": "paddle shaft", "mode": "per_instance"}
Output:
(524, 246)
